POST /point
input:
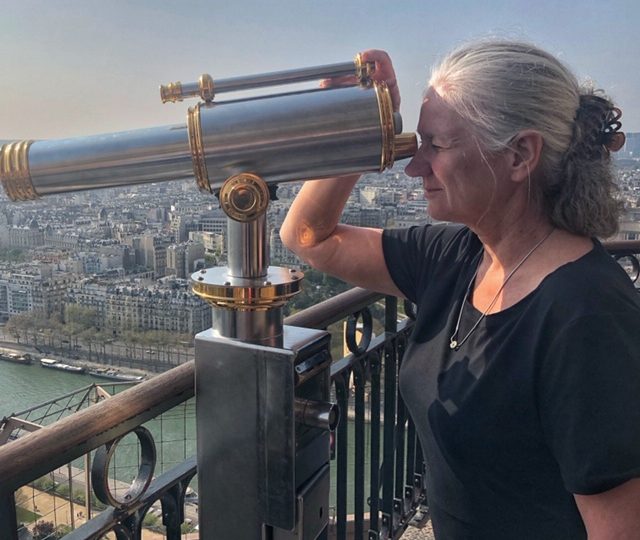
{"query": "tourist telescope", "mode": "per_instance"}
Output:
(262, 388)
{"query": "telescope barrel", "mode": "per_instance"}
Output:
(285, 137)
(99, 161)
(207, 88)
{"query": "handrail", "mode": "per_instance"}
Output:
(616, 247)
(56, 445)
(332, 310)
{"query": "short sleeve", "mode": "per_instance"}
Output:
(413, 254)
(589, 401)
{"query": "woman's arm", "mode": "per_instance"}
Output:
(353, 254)
(613, 514)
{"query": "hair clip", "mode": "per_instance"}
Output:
(611, 137)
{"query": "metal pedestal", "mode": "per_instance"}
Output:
(263, 421)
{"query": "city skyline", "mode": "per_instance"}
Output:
(76, 68)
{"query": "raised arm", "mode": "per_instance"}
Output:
(311, 229)
(353, 254)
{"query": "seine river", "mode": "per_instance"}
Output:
(24, 386)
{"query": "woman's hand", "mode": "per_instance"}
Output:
(383, 72)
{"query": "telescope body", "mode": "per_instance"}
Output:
(285, 137)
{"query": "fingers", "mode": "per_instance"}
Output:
(384, 72)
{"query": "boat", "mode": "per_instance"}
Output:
(54, 364)
(114, 375)
(15, 358)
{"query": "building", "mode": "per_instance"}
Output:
(169, 307)
(33, 290)
(183, 259)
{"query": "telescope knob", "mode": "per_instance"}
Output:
(177, 91)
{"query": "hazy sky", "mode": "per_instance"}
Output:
(80, 67)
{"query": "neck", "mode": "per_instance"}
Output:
(509, 237)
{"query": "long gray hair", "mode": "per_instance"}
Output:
(503, 87)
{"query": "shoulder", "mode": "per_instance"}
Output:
(594, 284)
(435, 242)
(418, 256)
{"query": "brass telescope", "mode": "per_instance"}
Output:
(283, 137)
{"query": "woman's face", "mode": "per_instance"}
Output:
(459, 182)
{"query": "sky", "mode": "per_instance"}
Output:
(79, 67)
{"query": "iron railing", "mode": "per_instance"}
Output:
(385, 467)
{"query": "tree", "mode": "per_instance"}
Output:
(44, 530)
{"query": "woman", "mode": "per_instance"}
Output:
(523, 370)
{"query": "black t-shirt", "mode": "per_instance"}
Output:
(540, 402)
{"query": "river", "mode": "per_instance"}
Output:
(22, 386)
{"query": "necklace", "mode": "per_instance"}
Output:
(453, 343)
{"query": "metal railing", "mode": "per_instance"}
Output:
(386, 465)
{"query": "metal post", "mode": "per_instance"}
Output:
(261, 390)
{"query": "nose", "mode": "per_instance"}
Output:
(418, 166)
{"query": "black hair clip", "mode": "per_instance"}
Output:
(611, 137)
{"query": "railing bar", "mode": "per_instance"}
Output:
(411, 452)
(374, 494)
(342, 395)
(334, 309)
(624, 246)
(359, 383)
(400, 449)
(391, 314)
(8, 519)
(389, 428)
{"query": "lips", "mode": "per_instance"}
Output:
(431, 190)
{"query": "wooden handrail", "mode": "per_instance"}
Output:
(53, 446)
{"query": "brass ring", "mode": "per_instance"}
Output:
(14, 171)
(207, 87)
(197, 149)
(244, 197)
(385, 106)
(218, 289)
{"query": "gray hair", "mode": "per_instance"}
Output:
(503, 87)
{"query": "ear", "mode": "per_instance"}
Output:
(524, 156)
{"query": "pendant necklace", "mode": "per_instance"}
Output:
(453, 343)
